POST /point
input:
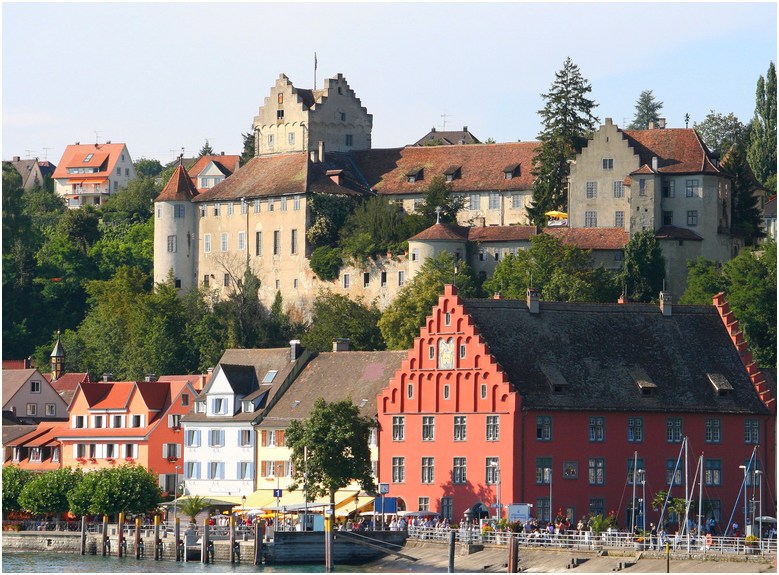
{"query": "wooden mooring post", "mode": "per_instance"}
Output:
(83, 542)
(157, 540)
(120, 535)
(104, 542)
(137, 537)
(180, 549)
(259, 537)
(204, 546)
(232, 539)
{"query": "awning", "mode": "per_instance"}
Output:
(295, 500)
(222, 500)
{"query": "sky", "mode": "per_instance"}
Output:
(162, 77)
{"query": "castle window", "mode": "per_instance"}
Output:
(347, 281)
(494, 200)
(474, 202)
(241, 241)
(619, 189)
(279, 114)
(205, 280)
(366, 279)
(283, 202)
(619, 219)
(224, 242)
(590, 219)
(343, 117)
(291, 138)
(270, 140)
(668, 217)
(692, 217)
(516, 201)
(280, 98)
(207, 243)
(608, 163)
(171, 244)
(294, 242)
(642, 187)
(258, 243)
(230, 209)
(401, 278)
(178, 210)
(591, 190)
(256, 206)
(669, 189)
(349, 140)
(692, 189)
(227, 280)
(296, 202)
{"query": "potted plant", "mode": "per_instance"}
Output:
(750, 542)
(172, 458)
(80, 460)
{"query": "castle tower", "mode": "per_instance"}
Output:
(175, 231)
(298, 119)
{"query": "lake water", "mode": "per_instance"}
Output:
(13, 562)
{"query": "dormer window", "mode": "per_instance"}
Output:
(414, 175)
(554, 379)
(200, 407)
(720, 383)
(452, 173)
(510, 172)
(645, 384)
(247, 406)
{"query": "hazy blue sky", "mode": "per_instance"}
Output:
(160, 77)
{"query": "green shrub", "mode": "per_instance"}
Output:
(326, 262)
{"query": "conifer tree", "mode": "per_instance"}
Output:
(647, 110)
(206, 150)
(762, 145)
(248, 147)
(746, 215)
(568, 121)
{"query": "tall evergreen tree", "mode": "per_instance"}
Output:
(720, 132)
(206, 150)
(647, 110)
(746, 215)
(248, 147)
(568, 121)
(643, 271)
(762, 145)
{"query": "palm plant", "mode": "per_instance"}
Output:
(192, 506)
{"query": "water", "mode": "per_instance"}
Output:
(13, 562)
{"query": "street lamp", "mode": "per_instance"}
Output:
(278, 493)
(548, 471)
(642, 476)
(175, 490)
(499, 511)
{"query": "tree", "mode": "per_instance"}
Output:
(643, 270)
(326, 262)
(762, 146)
(647, 110)
(704, 280)
(124, 244)
(751, 293)
(336, 315)
(568, 121)
(746, 219)
(439, 195)
(400, 322)
(243, 312)
(111, 490)
(332, 446)
(720, 132)
(47, 493)
(377, 226)
(14, 480)
(206, 150)
(132, 204)
(191, 506)
(148, 168)
(559, 271)
(248, 147)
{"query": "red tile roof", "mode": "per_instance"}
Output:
(70, 381)
(226, 164)
(179, 188)
(678, 150)
(104, 156)
(481, 167)
(501, 233)
(591, 238)
(451, 232)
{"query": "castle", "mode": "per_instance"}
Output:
(316, 144)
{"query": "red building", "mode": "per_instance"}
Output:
(557, 401)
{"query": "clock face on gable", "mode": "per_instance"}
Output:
(446, 354)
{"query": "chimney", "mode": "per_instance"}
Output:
(340, 344)
(108, 141)
(210, 371)
(221, 153)
(532, 300)
(78, 143)
(107, 377)
(665, 303)
(16, 159)
(651, 126)
(432, 129)
(661, 123)
(497, 295)
(150, 377)
(294, 349)
(321, 151)
(465, 128)
(654, 163)
(622, 299)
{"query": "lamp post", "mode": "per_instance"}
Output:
(175, 490)
(744, 467)
(548, 471)
(278, 492)
(642, 476)
(759, 475)
(499, 511)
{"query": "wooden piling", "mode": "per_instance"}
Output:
(177, 538)
(83, 542)
(157, 540)
(120, 535)
(232, 538)
(451, 552)
(204, 546)
(259, 536)
(137, 537)
(328, 541)
(104, 535)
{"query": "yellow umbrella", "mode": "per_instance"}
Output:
(555, 214)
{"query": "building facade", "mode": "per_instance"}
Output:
(87, 174)
(664, 180)
(555, 404)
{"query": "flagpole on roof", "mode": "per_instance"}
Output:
(314, 70)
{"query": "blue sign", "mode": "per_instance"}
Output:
(277, 493)
(390, 504)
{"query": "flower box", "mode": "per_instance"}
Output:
(129, 459)
(173, 458)
(110, 460)
(80, 460)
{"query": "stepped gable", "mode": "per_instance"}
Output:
(501, 233)
(481, 167)
(591, 238)
(358, 375)
(179, 188)
(599, 348)
(678, 150)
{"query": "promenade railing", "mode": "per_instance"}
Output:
(587, 540)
